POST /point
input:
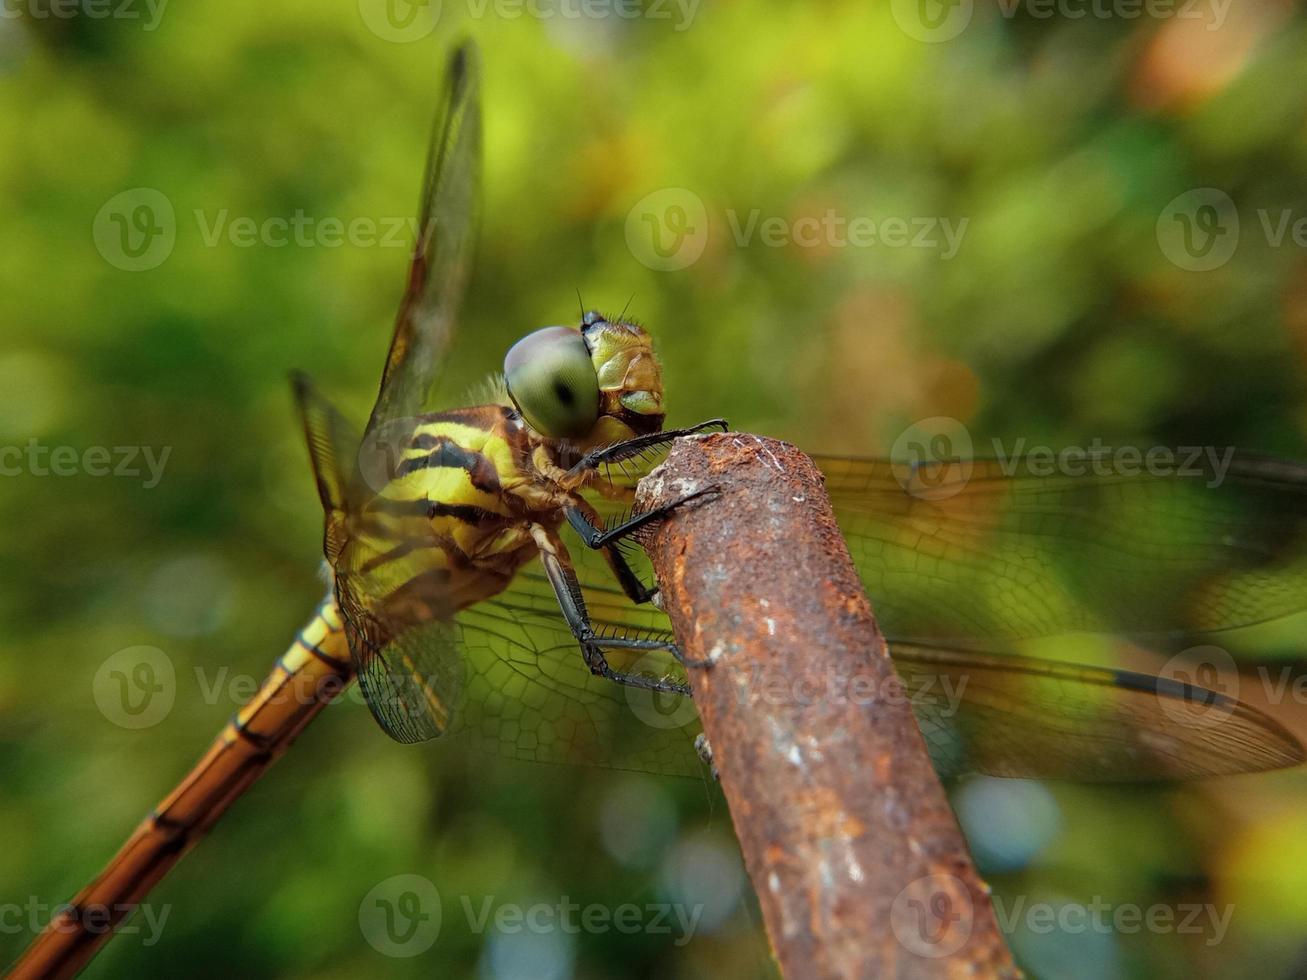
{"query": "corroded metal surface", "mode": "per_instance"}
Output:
(848, 837)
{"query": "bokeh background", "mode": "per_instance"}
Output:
(1071, 143)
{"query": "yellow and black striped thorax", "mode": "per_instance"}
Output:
(451, 522)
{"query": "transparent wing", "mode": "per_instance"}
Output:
(506, 675)
(396, 610)
(997, 549)
(442, 252)
(529, 695)
(1013, 716)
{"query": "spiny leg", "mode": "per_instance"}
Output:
(583, 519)
(634, 447)
(596, 537)
(558, 568)
(586, 521)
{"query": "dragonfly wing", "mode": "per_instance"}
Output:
(506, 675)
(529, 694)
(333, 448)
(503, 673)
(1002, 549)
(442, 252)
(1013, 716)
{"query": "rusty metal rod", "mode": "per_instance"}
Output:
(857, 860)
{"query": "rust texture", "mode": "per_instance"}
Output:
(848, 837)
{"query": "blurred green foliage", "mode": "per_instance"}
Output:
(1060, 140)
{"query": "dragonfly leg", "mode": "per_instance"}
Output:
(558, 568)
(596, 537)
(634, 447)
(585, 520)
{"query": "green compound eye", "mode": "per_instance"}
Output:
(552, 381)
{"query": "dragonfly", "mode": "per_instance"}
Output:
(460, 607)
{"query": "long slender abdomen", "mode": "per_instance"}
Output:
(308, 676)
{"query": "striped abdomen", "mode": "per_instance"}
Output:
(314, 670)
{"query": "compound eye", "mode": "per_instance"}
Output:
(552, 381)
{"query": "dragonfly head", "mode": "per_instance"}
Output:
(596, 385)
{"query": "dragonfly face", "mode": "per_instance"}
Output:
(597, 385)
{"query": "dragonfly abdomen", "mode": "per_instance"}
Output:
(314, 670)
